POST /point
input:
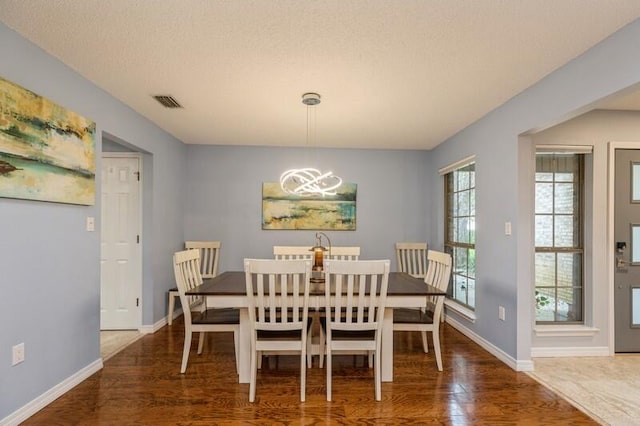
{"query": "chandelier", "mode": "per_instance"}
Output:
(308, 181)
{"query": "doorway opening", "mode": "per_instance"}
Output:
(120, 247)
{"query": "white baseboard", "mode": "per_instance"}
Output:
(517, 365)
(569, 352)
(51, 395)
(150, 329)
(60, 389)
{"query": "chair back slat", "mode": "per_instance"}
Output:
(359, 293)
(186, 267)
(438, 273)
(439, 269)
(304, 252)
(274, 288)
(292, 253)
(209, 256)
(412, 258)
(343, 253)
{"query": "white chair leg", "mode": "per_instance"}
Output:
(436, 349)
(172, 305)
(201, 342)
(185, 350)
(370, 358)
(425, 342)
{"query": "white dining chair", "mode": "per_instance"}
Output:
(412, 258)
(427, 318)
(316, 338)
(317, 343)
(343, 253)
(355, 297)
(209, 256)
(292, 253)
(186, 267)
(278, 316)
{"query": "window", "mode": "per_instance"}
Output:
(559, 253)
(460, 235)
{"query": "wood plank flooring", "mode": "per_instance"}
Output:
(142, 385)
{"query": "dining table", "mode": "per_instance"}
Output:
(228, 290)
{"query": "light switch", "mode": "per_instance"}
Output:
(91, 224)
(507, 228)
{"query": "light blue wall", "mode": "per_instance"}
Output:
(54, 293)
(609, 67)
(49, 264)
(224, 187)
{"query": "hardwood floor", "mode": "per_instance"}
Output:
(142, 385)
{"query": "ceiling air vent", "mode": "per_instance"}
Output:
(167, 101)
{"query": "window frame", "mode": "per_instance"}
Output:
(451, 246)
(579, 190)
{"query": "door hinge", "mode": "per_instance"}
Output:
(137, 302)
(138, 239)
(137, 175)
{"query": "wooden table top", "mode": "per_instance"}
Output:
(232, 283)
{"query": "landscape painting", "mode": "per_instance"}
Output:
(285, 211)
(47, 152)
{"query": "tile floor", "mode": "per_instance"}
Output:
(605, 388)
(113, 341)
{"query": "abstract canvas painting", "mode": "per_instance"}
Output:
(285, 211)
(47, 152)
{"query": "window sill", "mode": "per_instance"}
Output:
(463, 311)
(564, 330)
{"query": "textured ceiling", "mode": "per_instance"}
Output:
(392, 74)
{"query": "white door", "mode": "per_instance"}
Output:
(120, 258)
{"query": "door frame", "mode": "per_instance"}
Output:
(138, 266)
(611, 162)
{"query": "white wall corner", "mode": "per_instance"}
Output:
(32, 407)
(524, 365)
(150, 329)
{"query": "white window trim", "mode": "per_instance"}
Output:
(565, 149)
(452, 304)
(558, 329)
(563, 330)
(457, 165)
(462, 310)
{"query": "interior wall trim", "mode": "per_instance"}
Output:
(569, 351)
(32, 407)
(517, 365)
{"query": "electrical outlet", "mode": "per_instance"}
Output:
(18, 354)
(501, 313)
(91, 224)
